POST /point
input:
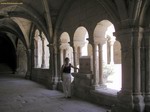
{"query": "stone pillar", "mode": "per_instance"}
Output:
(28, 74)
(147, 74)
(37, 39)
(61, 57)
(80, 51)
(43, 65)
(111, 43)
(75, 57)
(129, 98)
(125, 97)
(137, 97)
(64, 54)
(101, 80)
(35, 53)
(63, 51)
(95, 61)
(51, 80)
(56, 66)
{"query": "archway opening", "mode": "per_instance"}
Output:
(41, 50)
(108, 55)
(80, 41)
(65, 48)
(8, 57)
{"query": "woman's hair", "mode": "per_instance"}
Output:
(66, 59)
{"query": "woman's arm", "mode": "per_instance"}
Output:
(74, 66)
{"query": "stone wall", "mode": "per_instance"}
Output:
(82, 88)
(117, 53)
(42, 76)
(21, 59)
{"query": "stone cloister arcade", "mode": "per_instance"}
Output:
(104, 60)
(41, 50)
(107, 39)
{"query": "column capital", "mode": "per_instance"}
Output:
(64, 46)
(100, 40)
(111, 41)
(42, 38)
(43, 35)
(36, 37)
(79, 43)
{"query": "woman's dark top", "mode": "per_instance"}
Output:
(67, 69)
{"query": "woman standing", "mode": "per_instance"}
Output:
(66, 77)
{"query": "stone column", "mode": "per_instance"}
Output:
(129, 97)
(51, 79)
(61, 57)
(75, 57)
(65, 51)
(43, 65)
(137, 97)
(80, 51)
(101, 80)
(56, 66)
(37, 39)
(95, 61)
(125, 97)
(111, 43)
(35, 53)
(147, 74)
(28, 74)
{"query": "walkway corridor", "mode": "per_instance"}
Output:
(20, 95)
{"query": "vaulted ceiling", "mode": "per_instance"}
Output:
(19, 16)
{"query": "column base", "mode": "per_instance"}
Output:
(138, 101)
(94, 87)
(102, 86)
(147, 103)
(43, 66)
(53, 84)
(125, 102)
(28, 75)
(53, 87)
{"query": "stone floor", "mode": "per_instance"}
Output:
(20, 95)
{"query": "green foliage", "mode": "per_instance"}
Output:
(108, 69)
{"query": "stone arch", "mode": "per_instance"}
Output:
(80, 41)
(143, 15)
(65, 49)
(20, 24)
(101, 29)
(80, 34)
(100, 36)
(105, 53)
(8, 55)
(85, 19)
(64, 38)
(28, 13)
(8, 25)
(41, 50)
